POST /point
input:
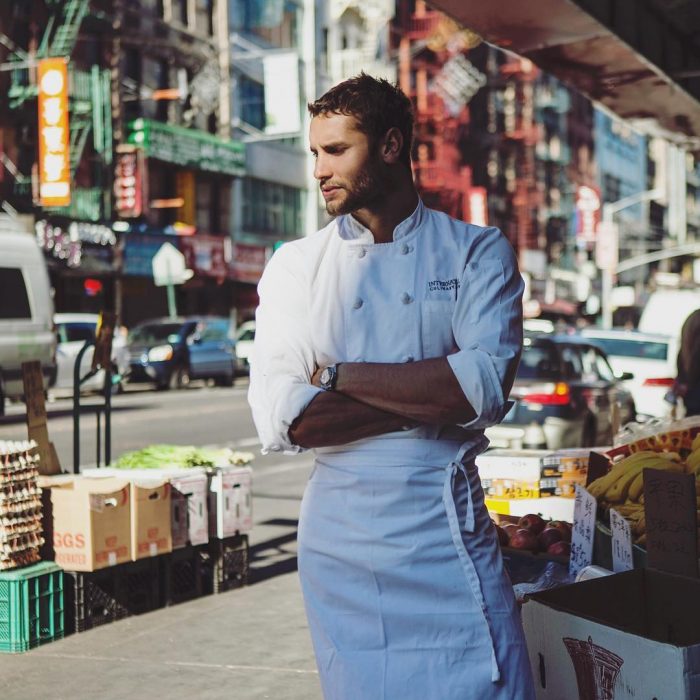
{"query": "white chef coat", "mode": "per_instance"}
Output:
(335, 296)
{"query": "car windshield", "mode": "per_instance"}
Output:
(642, 349)
(156, 333)
(75, 332)
(539, 361)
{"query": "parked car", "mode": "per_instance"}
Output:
(651, 357)
(563, 396)
(245, 335)
(26, 311)
(172, 352)
(72, 331)
(666, 310)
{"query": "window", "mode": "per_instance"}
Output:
(215, 331)
(571, 363)
(252, 101)
(270, 208)
(539, 361)
(275, 22)
(204, 10)
(644, 349)
(75, 332)
(604, 370)
(590, 365)
(14, 300)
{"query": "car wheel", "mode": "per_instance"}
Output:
(180, 378)
(224, 380)
(590, 433)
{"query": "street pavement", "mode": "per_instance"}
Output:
(250, 643)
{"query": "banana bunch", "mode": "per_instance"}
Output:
(625, 481)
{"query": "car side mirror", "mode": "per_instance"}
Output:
(625, 376)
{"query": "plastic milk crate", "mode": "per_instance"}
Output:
(99, 597)
(31, 606)
(182, 575)
(225, 564)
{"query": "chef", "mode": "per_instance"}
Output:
(386, 343)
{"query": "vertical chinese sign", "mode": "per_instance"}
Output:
(54, 137)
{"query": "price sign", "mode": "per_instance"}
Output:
(621, 542)
(671, 521)
(585, 507)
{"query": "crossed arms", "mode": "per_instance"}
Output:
(372, 399)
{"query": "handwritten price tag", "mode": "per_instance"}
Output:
(621, 542)
(585, 507)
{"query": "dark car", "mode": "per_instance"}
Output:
(171, 352)
(564, 393)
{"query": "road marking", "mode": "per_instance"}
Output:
(193, 664)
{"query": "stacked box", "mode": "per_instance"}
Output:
(226, 563)
(563, 470)
(512, 474)
(20, 505)
(230, 501)
(31, 607)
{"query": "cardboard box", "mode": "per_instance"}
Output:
(630, 635)
(517, 465)
(551, 508)
(230, 501)
(151, 531)
(189, 495)
(88, 521)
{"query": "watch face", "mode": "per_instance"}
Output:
(325, 376)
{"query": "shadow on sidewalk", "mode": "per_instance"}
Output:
(273, 557)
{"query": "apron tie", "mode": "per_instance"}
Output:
(466, 452)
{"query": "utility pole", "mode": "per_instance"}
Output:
(607, 271)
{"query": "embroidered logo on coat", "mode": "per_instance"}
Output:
(443, 285)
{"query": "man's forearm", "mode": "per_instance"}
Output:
(425, 391)
(333, 419)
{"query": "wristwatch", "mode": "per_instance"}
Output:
(329, 377)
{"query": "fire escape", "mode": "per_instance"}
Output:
(89, 106)
(443, 180)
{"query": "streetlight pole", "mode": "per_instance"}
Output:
(609, 210)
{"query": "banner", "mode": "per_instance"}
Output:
(208, 256)
(54, 134)
(129, 182)
(248, 262)
(281, 74)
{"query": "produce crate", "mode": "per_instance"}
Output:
(93, 598)
(96, 598)
(226, 563)
(31, 607)
(181, 575)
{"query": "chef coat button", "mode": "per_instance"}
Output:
(408, 358)
(406, 298)
(361, 253)
(405, 249)
(358, 303)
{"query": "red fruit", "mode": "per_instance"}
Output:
(503, 537)
(560, 549)
(532, 522)
(563, 527)
(510, 529)
(524, 539)
(548, 537)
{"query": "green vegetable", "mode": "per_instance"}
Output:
(180, 456)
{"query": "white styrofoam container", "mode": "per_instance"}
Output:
(230, 501)
(601, 638)
(520, 465)
(189, 510)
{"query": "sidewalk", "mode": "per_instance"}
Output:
(248, 644)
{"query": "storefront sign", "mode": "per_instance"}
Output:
(129, 182)
(587, 214)
(187, 147)
(80, 244)
(54, 135)
(248, 262)
(208, 256)
(139, 251)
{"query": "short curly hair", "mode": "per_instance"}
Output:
(376, 104)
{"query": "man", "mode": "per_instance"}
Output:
(387, 342)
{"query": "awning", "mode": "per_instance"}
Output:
(640, 59)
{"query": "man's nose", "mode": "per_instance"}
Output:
(321, 169)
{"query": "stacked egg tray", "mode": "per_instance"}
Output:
(20, 504)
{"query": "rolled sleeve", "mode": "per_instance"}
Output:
(282, 361)
(487, 327)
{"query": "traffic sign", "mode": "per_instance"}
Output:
(169, 266)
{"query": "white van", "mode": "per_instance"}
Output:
(667, 309)
(26, 311)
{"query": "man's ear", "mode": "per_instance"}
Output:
(392, 146)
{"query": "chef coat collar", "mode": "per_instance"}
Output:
(350, 229)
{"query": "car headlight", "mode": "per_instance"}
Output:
(160, 353)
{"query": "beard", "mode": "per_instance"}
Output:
(361, 192)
